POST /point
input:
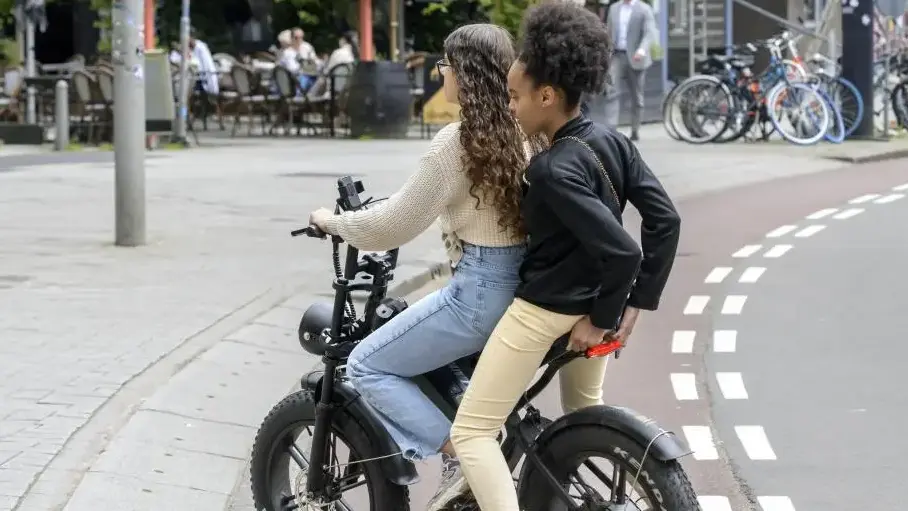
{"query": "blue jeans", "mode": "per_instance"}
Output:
(447, 325)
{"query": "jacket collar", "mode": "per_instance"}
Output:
(576, 127)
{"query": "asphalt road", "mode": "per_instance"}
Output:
(820, 354)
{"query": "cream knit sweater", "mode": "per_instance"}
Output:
(440, 190)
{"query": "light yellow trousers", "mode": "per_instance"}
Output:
(506, 367)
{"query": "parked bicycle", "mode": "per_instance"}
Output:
(726, 101)
(351, 451)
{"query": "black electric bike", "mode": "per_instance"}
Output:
(351, 451)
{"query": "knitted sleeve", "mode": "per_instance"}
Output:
(410, 211)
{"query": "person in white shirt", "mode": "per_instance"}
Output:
(347, 52)
(288, 56)
(302, 46)
(208, 72)
(632, 25)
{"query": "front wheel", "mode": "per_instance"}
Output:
(599, 467)
(280, 457)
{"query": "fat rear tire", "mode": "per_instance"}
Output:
(664, 482)
(298, 410)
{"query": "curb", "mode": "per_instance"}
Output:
(872, 158)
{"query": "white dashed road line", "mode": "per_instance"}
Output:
(696, 305)
(755, 442)
(809, 231)
(775, 504)
(717, 275)
(778, 232)
(685, 386)
(747, 251)
(768, 503)
(848, 213)
(683, 341)
(823, 213)
(700, 440)
(731, 385)
(733, 304)
(777, 251)
(751, 275)
(864, 198)
(725, 341)
(889, 198)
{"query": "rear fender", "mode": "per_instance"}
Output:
(663, 445)
(396, 468)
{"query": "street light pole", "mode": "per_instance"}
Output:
(179, 130)
(129, 122)
(30, 112)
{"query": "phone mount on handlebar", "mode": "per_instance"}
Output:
(348, 192)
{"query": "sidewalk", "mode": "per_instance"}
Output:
(89, 330)
(134, 378)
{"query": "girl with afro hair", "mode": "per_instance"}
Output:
(583, 274)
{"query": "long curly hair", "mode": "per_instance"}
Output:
(494, 159)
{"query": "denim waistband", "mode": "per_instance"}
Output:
(479, 251)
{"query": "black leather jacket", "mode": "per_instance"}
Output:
(580, 258)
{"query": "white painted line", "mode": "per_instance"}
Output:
(823, 213)
(733, 304)
(685, 386)
(755, 442)
(714, 503)
(777, 251)
(731, 385)
(717, 275)
(696, 304)
(747, 251)
(808, 231)
(864, 198)
(683, 341)
(848, 213)
(725, 341)
(700, 440)
(890, 198)
(774, 504)
(778, 232)
(751, 275)
(900, 188)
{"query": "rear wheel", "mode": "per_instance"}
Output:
(280, 457)
(599, 468)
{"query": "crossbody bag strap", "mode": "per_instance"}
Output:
(605, 174)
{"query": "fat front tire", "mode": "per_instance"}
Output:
(297, 411)
(664, 483)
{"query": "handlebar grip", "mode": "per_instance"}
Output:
(311, 231)
(604, 349)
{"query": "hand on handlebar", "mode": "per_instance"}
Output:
(585, 335)
(319, 218)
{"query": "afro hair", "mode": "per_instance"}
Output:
(567, 47)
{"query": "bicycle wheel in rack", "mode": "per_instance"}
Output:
(802, 108)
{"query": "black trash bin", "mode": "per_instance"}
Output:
(379, 102)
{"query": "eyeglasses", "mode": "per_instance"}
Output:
(441, 65)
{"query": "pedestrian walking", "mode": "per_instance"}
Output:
(632, 26)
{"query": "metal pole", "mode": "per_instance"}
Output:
(691, 26)
(704, 30)
(61, 115)
(30, 113)
(179, 129)
(394, 28)
(886, 101)
(129, 122)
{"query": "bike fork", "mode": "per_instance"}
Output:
(316, 478)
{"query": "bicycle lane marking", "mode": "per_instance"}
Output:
(753, 438)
